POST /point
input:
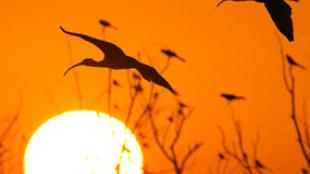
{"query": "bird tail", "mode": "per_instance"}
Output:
(240, 98)
(302, 67)
(113, 27)
(180, 58)
(150, 74)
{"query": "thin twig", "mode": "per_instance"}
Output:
(282, 54)
(240, 140)
(228, 151)
(50, 99)
(294, 117)
(164, 69)
(76, 75)
(306, 124)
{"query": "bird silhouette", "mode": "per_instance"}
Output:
(232, 97)
(115, 58)
(171, 53)
(280, 13)
(221, 156)
(106, 23)
(260, 165)
(292, 62)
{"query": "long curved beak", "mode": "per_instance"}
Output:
(73, 66)
(220, 3)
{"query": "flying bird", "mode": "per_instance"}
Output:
(171, 53)
(292, 62)
(115, 58)
(106, 23)
(232, 97)
(280, 13)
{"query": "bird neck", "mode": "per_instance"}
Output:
(95, 63)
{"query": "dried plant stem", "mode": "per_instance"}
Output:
(290, 87)
(172, 156)
(5, 134)
(50, 99)
(306, 125)
(130, 109)
(109, 91)
(76, 76)
(292, 92)
(240, 141)
(243, 159)
(166, 65)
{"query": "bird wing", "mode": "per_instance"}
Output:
(280, 13)
(151, 74)
(104, 46)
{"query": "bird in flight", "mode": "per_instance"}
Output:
(171, 54)
(292, 62)
(106, 23)
(280, 13)
(232, 97)
(115, 58)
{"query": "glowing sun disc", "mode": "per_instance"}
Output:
(82, 142)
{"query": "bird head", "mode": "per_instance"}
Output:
(85, 62)
(104, 23)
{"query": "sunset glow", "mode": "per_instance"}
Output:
(241, 71)
(82, 142)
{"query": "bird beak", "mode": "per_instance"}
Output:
(220, 3)
(73, 66)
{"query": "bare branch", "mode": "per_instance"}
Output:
(282, 54)
(294, 117)
(190, 153)
(306, 124)
(76, 75)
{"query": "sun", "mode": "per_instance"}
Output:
(83, 142)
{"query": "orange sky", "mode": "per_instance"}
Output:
(228, 49)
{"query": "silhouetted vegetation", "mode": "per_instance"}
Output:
(9, 132)
(238, 152)
(290, 86)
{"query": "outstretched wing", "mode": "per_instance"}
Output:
(106, 47)
(150, 74)
(280, 13)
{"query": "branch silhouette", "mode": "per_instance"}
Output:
(290, 88)
(171, 155)
(76, 76)
(241, 156)
(5, 137)
(292, 92)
